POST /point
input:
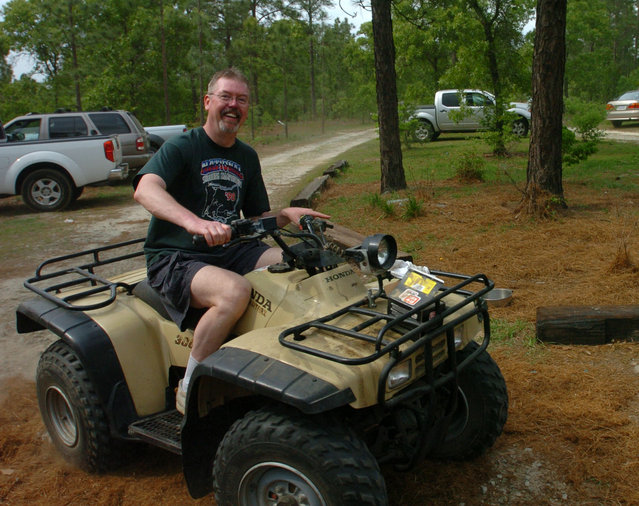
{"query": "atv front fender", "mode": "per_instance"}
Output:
(95, 350)
(271, 378)
(254, 373)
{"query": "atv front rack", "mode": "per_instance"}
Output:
(419, 334)
(80, 276)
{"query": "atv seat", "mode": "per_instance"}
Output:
(145, 292)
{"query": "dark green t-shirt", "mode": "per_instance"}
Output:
(214, 182)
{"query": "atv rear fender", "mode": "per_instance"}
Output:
(94, 348)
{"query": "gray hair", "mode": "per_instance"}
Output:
(228, 73)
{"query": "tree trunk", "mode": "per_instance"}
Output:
(393, 177)
(165, 70)
(544, 174)
(74, 58)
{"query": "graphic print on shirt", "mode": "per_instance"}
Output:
(222, 181)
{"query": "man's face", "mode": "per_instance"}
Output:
(227, 105)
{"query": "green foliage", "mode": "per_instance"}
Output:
(162, 54)
(378, 202)
(407, 123)
(413, 208)
(600, 48)
(585, 118)
(155, 58)
(470, 166)
(512, 332)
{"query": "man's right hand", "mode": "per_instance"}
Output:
(213, 232)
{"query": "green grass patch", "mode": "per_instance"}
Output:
(514, 332)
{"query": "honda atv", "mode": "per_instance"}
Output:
(345, 360)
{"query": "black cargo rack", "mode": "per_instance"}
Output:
(81, 275)
(421, 334)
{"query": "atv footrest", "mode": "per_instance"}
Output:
(161, 430)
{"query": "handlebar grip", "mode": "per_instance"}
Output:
(199, 241)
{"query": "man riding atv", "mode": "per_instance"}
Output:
(197, 184)
(344, 362)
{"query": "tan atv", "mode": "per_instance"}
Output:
(336, 368)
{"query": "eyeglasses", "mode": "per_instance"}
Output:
(227, 99)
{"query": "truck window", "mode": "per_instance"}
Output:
(67, 126)
(23, 130)
(135, 121)
(477, 100)
(450, 99)
(110, 123)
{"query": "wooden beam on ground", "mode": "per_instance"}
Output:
(305, 197)
(335, 169)
(587, 324)
(347, 238)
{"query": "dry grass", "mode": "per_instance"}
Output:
(573, 431)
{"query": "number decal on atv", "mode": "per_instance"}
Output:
(184, 340)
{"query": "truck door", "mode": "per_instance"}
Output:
(453, 117)
(449, 104)
(476, 103)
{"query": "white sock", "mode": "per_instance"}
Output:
(189, 371)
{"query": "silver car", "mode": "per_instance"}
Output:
(624, 108)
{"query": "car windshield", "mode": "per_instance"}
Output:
(630, 95)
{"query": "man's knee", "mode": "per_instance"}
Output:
(213, 286)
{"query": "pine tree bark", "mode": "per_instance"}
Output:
(544, 174)
(392, 168)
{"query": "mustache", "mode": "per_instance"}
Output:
(234, 110)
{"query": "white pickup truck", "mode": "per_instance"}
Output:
(51, 174)
(444, 115)
(159, 134)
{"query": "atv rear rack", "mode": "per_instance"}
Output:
(420, 333)
(81, 275)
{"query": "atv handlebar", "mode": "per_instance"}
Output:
(247, 229)
(311, 253)
(243, 230)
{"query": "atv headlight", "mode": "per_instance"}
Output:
(377, 253)
(399, 375)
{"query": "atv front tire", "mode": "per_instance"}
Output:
(279, 456)
(482, 409)
(71, 411)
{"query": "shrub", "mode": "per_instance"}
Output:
(470, 167)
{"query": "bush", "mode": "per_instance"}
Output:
(470, 167)
(585, 118)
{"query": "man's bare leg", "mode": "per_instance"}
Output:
(269, 257)
(226, 294)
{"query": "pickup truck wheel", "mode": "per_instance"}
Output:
(520, 127)
(482, 409)
(71, 411)
(424, 132)
(77, 192)
(279, 456)
(47, 190)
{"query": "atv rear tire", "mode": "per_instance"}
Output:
(482, 409)
(71, 411)
(279, 456)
